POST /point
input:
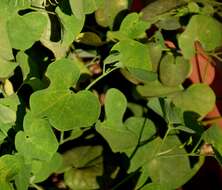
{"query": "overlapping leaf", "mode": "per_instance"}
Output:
(37, 141)
(112, 129)
(64, 109)
(155, 88)
(106, 14)
(85, 165)
(10, 165)
(198, 98)
(140, 59)
(173, 70)
(204, 29)
(20, 26)
(82, 7)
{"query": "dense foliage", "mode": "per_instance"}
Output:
(94, 96)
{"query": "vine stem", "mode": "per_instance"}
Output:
(189, 154)
(36, 186)
(197, 145)
(100, 77)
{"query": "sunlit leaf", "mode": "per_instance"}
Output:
(198, 98)
(20, 26)
(37, 141)
(204, 29)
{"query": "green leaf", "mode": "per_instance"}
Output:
(23, 32)
(158, 7)
(64, 109)
(55, 73)
(143, 128)
(198, 98)
(37, 141)
(144, 155)
(155, 88)
(89, 38)
(173, 70)
(10, 165)
(202, 28)
(152, 186)
(143, 75)
(89, 6)
(85, 166)
(119, 137)
(168, 111)
(115, 105)
(213, 136)
(41, 170)
(161, 167)
(155, 54)
(140, 59)
(72, 26)
(133, 27)
(7, 113)
(82, 7)
(169, 23)
(136, 109)
(77, 8)
(23, 177)
(106, 14)
(5, 46)
(7, 68)
(112, 129)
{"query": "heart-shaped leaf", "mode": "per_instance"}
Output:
(85, 166)
(198, 98)
(37, 141)
(56, 70)
(115, 105)
(112, 129)
(23, 32)
(173, 70)
(204, 29)
(140, 59)
(41, 170)
(64, 109)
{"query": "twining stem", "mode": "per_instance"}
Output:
(100, 77)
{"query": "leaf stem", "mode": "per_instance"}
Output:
(123, 181)
(61, 140)
(36, 186)
(188, 154)
(100, 77)
(197, 145)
